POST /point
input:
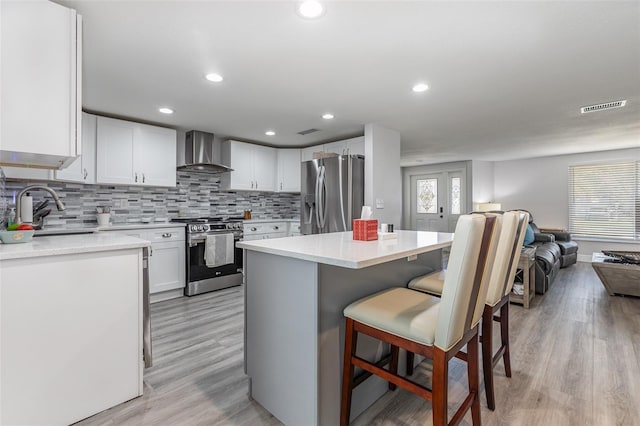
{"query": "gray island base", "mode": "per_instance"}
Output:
(296, 291)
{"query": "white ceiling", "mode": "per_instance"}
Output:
(506, 79)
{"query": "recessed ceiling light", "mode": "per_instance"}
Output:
(310, 9)
(327, 116)
(165, 110)
(420, 87)
(216, 78)
(270, 133)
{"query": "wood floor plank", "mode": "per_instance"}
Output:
(575, 357)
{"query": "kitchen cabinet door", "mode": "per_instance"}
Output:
(115, 151)
(288, 170)
(155, 156)
(239, 155)
(83, 169)
(355, 146)
(264, 168)
(167, 266)
(41, 54)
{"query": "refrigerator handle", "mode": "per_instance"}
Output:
(341, 189)
(322, 212)
(318, 205)
(350, 191)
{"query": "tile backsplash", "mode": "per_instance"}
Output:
(195, 195)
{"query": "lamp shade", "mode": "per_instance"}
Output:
(487, 207)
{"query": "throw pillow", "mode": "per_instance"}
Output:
(528, 235)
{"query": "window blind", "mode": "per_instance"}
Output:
(604, 200)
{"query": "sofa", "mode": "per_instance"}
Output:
(554, 250)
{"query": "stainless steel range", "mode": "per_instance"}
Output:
(200, 277)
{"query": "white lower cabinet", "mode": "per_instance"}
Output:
(293, 229)
(167, 257)
(71, 335)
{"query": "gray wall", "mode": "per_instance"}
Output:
(540, 185)
(195, 195)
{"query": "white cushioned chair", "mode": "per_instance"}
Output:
(513, 228)
(430, 326)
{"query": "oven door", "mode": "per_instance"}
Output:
(197, 269)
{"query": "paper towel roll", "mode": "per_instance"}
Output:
(26, 208)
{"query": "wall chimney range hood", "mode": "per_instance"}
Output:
(203, 154)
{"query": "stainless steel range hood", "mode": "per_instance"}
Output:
(203, 154)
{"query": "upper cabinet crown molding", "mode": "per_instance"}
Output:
(130, 153)
(41, 81)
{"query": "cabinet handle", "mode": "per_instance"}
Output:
(280, 186)
(256, 184)
(85, 174)
(143, 178)
(135, 179)
(254, 229)
(150, 251)
(166, 235)
(275, 228)
(251, 184)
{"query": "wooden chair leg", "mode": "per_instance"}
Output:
(410, 361)
(487, 356)
(350, 340)
(504, 334)
(440, 386)
(393, 366)
(473, 364)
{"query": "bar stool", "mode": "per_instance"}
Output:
(514, 225)
(433, 327)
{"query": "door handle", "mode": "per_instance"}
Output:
(143, 178)
(135, 179)
(166, 235)
(85, 174)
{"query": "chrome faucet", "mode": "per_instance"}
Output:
(55, 197)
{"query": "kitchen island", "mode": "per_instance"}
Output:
(296, 290)
(71, 327)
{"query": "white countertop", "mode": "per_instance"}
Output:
(339, 248)
(89, 228)
(270, 220)
(69, 244)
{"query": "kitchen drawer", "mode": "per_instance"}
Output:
(264, 228)
(163, 235)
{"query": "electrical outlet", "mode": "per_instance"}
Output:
(116, 204)
(379, 203)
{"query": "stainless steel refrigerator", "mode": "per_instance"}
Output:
(332, 193)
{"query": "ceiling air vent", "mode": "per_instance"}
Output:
(306, 132)
(602, 107)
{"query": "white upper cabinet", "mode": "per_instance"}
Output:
(41, 58)
(306, 154)
(83, 169)
(155, 155)
(354, 146)
(254, 167)
(288, 170)
(131, 153)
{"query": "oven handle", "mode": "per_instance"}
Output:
(194, 241)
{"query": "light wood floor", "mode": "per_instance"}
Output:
(575, 361)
